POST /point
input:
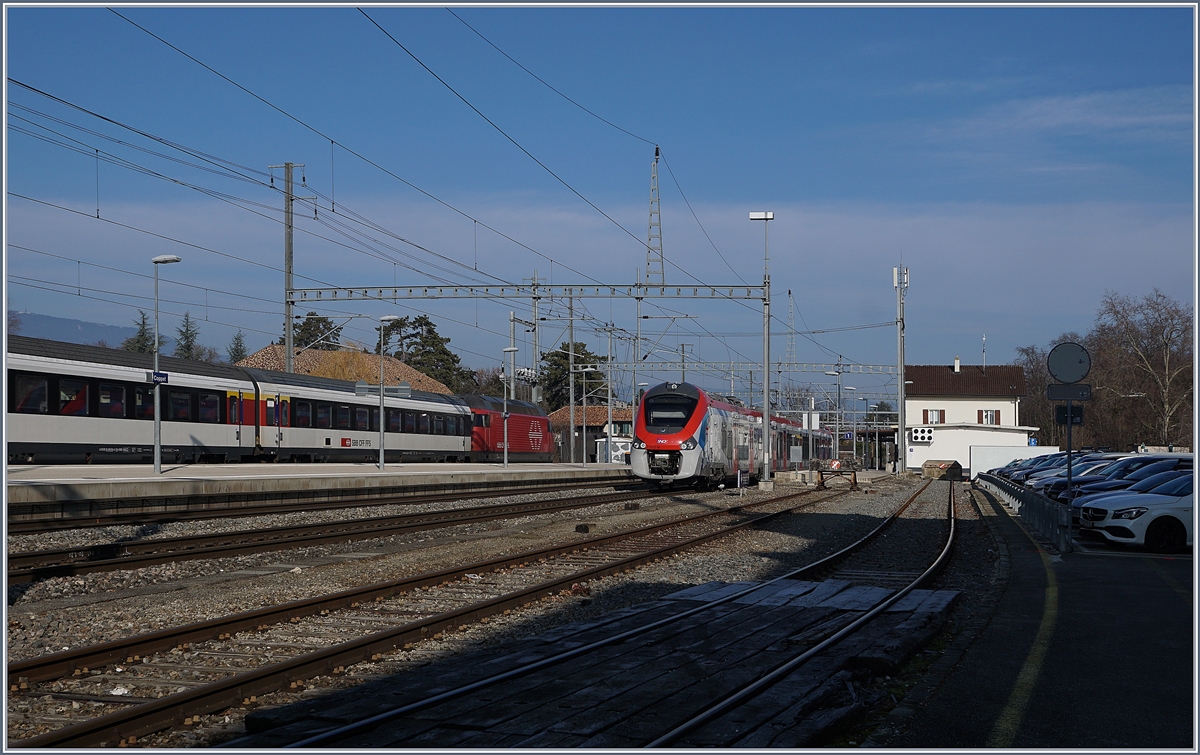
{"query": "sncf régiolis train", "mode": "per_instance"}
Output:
(69, 403)
(683, 434)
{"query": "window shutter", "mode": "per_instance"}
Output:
(981, 416)
(997, 416)
(924, 416)
(942, 416)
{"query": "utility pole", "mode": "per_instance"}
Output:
(683, 361)
(536, 392)
(288, 198)
(571, 370)
(900, 283)
(654, 252)
(766, 217)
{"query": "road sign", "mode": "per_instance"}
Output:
(1069, 362)
(847, 436)
(1060, 415)
(1069, 392)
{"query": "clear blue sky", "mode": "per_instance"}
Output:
(1020, 161)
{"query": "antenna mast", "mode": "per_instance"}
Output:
(654, 253)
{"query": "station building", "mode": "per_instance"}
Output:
(965, 413)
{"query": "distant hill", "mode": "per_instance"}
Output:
(78, 331)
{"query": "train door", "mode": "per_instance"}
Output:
(274, 420)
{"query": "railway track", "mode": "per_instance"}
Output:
(32, 566)
(25, 519)
(707, 618)
(171, 676)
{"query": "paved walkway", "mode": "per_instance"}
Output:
(1091, 649)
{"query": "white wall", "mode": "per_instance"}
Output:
(955, 442)
(960, 410)
(984, 458)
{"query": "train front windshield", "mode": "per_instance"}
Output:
(668, 414)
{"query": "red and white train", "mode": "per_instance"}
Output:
(683, 434)
(69, 403)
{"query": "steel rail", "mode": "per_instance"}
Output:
(228, 506)
(332, 735)
(752, 689)
(31, 566)
(171, 709)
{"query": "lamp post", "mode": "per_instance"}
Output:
(875, 409)
(837, 415)
(163, 259)
(853, 427)
(508, 352)
(383, 323)
(866, 428)
(766, 217)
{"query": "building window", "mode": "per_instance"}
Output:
(989, 416)
(933, 416)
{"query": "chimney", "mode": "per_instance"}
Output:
(957, 366)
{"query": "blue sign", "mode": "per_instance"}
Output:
(1033, 441)
(160, 377)
(847, 436)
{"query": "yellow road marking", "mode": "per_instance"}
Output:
(1173, 583)
(1009, 721)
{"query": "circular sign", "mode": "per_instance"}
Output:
(1069, 362)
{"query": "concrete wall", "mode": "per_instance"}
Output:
(984, 458)
(955, 442)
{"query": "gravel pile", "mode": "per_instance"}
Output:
(64, 613)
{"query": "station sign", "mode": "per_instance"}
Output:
(1069, 392)
(156, 377)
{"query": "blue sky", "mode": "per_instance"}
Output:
(1020, 161)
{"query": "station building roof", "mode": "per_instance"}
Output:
(597, 416)
(970, 380)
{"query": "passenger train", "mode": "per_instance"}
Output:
(683, 434)
(69, 403)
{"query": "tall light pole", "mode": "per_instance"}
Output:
(853, 427)
(766, 217)
(875, 409)
(900, 283)
(383, 323)
(837, 415)
(866, 428)
(509, 351)
(162, 259)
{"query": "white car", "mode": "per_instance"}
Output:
(1162, 522)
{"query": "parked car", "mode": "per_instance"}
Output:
(1160, 521)
(1050, 462)
(1008, 470)
(1147, 485)
(1128, 471)
(1059, 477)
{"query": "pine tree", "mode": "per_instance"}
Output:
(237, 348)
(556, 378)
(185, 338)
(314, 331)
(141, 342)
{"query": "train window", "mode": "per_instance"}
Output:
(362, 418)
(343, 418)
(439, 425)
(270, 412)
(324, 413)
(285, 413)
(210, 407)
(31, 394)
(143, 403)
(483, 420)
(73, 397)
(424, 425)
(179, 406)
(395, 418)
(112, 400)
(303, 414)
(375, 418)
(410, 422)
(233, 410)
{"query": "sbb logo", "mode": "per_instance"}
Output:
(345, 442)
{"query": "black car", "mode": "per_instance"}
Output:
(1128, 471)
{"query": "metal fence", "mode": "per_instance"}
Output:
(1049, 518)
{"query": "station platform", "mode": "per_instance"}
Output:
(1086, 650)
(35, 484)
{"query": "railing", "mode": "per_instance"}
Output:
(1050, 518)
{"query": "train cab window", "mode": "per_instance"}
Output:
(343, 418)
(410, 422)
(73, 397)
(143, 403)
(179, 406)
(395, 418)
(210, 407)
(31, 394)
(112, 400)
(324, 414)
(668, 413)
(439, 425)
(483, 420)
(362, 418)
(303, 414)
(424, 424)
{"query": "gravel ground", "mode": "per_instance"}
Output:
(70, 612)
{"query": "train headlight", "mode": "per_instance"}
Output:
(689, 444)
(639, 444)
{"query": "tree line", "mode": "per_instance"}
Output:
(1141, 377)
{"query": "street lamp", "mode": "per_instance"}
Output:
(853, 427)
(875, 408)
(866, 428)
(383, 323)
(837, 415)
(766, 217)
(508, 352)
(162, 259)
